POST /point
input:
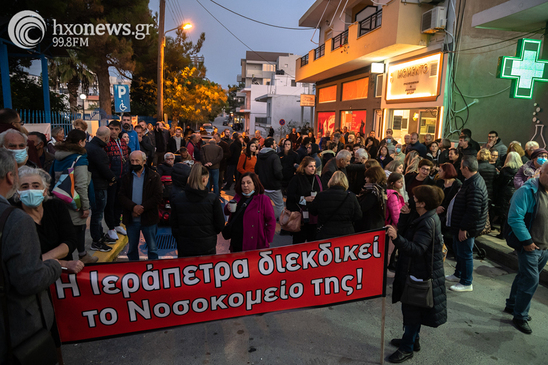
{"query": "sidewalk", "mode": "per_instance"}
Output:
(498, 251)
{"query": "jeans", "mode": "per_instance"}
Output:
(97, 212)
(134, 234)
(213, 176)
(526, 281)
(465, 259)
(278, 200)
(113, 211)
(411, 332)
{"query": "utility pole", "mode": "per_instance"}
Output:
(161, 36)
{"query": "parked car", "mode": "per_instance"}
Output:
(208, 128)
(225, 122)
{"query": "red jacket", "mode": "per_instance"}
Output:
(118, 156)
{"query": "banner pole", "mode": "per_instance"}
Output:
(382, 328)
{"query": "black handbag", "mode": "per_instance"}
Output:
(419, 293)
(38, 348)
(228, 228)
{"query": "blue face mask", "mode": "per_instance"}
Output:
(249, 194)
(388, 140)
(20, 155)
(541, 160)
(31, 198)
(398, 150)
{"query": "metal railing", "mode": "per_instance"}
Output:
(339, 40)
(58, 119)
(370, 23)
(319, 52)
(304, 60)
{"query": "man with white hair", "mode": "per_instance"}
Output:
(16, 143)
(530, 147)
(339, 163)
(166, 167)
(356, 177)
(140, 195)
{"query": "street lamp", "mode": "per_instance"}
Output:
(161, 38)
(83, 97)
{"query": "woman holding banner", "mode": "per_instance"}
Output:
(420, 243)
(252, 222)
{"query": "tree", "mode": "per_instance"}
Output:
(233, 101)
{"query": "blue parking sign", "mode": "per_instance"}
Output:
(121, 98)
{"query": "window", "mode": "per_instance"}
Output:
(356, 89)
(354, 120)
(328, 94)
(267, 67)
(293, 83)
(326, 122)
(378, 86)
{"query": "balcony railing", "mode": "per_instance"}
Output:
(304, 60)
(370, 23)
(339, 40)
(319, 52)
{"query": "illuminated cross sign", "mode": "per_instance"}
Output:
(524, 69)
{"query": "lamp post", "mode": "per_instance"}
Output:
(83, 97)
(161, 45)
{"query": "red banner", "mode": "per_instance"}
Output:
(114, 299)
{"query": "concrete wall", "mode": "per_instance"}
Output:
(287, 107)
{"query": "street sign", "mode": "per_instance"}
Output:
(282, 121)
(524, 69)
(308, 99)
(121, 98)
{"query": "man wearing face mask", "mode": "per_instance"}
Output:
(127, 127)
(40, 142)
(531, 169)
(16, 142)
(398, 154)
(140, 195)
(389, 142)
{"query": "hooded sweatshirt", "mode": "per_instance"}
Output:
(269, 169)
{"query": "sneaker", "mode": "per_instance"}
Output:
(511, 311)
(88, 259)
(121, 230)
(400, 356)
(100, 246)
(452, 278)
(416, 347)
(522, 325)
(106, 239)
(460, 287)
(112, 235)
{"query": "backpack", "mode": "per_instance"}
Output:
(64, 188)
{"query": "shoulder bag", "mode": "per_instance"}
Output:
(419, 293)
(38, 348)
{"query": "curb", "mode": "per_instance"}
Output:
(498, 251)
(112, 255)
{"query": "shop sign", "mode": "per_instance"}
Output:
(524, 69)
(416, 80)
(307, 99)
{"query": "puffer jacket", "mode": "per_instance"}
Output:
(288, 165)
(489, 174)
(335, 221)
(414, 243)
(394, 203)
(269, 169)
(470, 207)
(196, 219)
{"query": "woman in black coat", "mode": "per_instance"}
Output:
(504, 187)
(196, 216)
(290, 160)
(487, 171)
(417, 232)
(301, 192)
(372, 200)
(336, 208)
(448, 182)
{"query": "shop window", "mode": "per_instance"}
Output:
(326, 123)
(328, 94)
(378, 85)
(354, 120)
(356, 89)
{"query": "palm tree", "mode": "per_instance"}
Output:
(74, 73)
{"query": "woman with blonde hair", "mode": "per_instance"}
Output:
(411, 162)
(196, 216)
(336, 208)
(504, 187)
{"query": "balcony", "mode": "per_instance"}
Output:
(304, 60)
(366, 41)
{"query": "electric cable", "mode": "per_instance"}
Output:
(319, 21)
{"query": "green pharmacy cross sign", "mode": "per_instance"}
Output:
(524, 69)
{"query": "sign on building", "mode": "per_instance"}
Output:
(308, 99)
(121, 98)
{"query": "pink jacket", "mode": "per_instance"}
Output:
(259, 223)
(394, 203)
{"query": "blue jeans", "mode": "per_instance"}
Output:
(97, 212)
(465, 258)
(411, 332)
(213, 176)
(134, 234)
(525, 283)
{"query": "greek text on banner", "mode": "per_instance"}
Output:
(114, 299)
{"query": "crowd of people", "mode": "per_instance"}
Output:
(426, 193)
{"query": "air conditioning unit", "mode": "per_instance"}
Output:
(433, 20)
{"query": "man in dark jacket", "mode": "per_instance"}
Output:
(232, 162)
(269, 169)
(339, 163)
(475, 145)
(415, 145)
(211, 157)
(467, 215)
(26, 275)
(226, 155)
(102, 177)
(40, 141)
(140, 194)
(159, 138)
(465, 147)
(144, 143)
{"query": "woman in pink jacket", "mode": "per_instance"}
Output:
(254, 226)
(394, 203)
